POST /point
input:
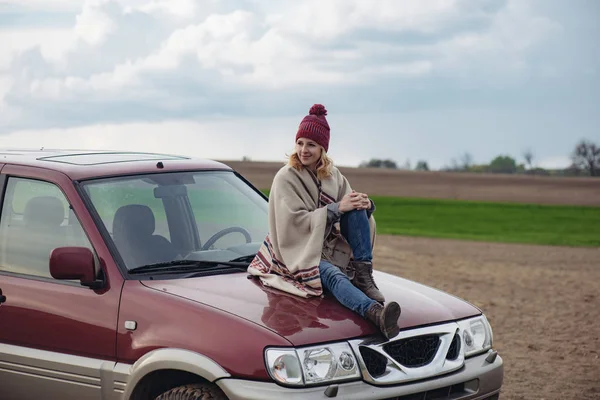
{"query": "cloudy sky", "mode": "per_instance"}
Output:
(402, 79)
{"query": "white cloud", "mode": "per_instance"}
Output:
(94, 24)
(52, 42)
(5, 85)
(175, 56)
(179, 8)
(330, 19)
(44, 5)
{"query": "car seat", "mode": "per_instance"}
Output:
(133, 234)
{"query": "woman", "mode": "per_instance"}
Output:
(317, 223)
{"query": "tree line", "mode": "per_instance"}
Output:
(585, 161)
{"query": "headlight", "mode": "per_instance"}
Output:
(476, 335)
(312, 365)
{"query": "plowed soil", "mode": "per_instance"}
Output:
(543, 302)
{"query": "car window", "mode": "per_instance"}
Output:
(165, 217)
(36, 219)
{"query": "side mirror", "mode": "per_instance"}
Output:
(74, 263)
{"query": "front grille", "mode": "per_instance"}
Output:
(415, 351)
(454, 349)
(412, 356)
(374, 361)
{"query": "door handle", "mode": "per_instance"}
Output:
(2, 297)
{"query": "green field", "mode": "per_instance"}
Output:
(488, 221)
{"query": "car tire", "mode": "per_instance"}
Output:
(197, 391)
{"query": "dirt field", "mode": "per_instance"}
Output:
(543, 302)
(444, 185)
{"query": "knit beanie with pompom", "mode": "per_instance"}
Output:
(315, 127)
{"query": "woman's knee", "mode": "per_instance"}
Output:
(326, 268)
(356, 213)
(354, 217)
(331, 273)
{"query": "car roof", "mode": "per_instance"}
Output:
(87, 164)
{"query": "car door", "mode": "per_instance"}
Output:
(57, 338)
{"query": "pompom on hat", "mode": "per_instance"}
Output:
(315, 127)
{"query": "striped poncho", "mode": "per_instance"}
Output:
(290, 255)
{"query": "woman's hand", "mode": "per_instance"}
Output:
(355, 201)
(365, 202)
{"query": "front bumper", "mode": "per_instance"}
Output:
(481, 379)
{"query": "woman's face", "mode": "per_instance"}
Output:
(309, 152)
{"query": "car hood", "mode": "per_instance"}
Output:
(304, 321)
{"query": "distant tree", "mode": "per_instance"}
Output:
(453, 166)
(587, 157)
(377, 163)
(466, 160)
(372, 163)
(389, 164)
(528, 156)
(463, 164)
(538, 171)
(503, 165)
(479, 168)
(422, 166)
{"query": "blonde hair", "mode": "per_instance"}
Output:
(323, 166)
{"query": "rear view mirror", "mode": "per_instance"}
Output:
(161, 192)
(74, 263)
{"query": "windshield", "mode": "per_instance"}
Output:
(196, 216)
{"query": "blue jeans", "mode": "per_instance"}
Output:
(355, 228)
(354, 225)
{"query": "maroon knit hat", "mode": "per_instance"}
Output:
(314, 126)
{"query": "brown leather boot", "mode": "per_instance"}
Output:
(385, 318)
(363, 279)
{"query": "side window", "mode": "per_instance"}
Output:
(36, 219)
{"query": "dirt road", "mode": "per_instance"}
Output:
(543, 304)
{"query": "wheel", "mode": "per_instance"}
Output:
(196, 391)
(224, 232)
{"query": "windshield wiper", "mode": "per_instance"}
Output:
(186, 265)
(244, 259)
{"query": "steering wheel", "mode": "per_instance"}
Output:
(224, 232)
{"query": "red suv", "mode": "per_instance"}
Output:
(123, 276)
